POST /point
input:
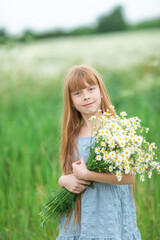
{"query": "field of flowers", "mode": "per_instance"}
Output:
(31, 90)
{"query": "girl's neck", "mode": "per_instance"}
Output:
(84, 132)
(87, 130)
(89, 124)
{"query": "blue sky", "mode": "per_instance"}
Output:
(18, 15)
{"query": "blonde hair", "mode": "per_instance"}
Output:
(72, 120)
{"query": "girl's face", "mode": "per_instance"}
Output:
(88, 100)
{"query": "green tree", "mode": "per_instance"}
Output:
(3, 35)
(112, 22)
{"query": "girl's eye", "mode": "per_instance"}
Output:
(77, 93)
(91, 88)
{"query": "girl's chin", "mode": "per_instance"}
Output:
(91, 111)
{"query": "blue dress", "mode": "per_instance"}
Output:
(107, 211)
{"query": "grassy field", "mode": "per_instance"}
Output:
(31, 83)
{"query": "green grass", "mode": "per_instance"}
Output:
(30, 114)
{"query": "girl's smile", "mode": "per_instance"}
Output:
(88, 100)
(89, 104)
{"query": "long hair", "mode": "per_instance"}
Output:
(72, 120)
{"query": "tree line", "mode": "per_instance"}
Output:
(106, 23)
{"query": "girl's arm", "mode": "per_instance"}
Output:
(109, 178)
(81, 172)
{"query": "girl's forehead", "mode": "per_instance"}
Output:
(81, 84)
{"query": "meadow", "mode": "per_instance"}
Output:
(31, 97)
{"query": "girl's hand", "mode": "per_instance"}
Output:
(80, 169)
(72, 184)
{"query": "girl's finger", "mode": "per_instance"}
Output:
(76, 192)
(78, 162)
(81, 188)
(78, 189)
(85, 182)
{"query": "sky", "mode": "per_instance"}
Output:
(40, 15)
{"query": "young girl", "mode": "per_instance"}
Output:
(106, 212)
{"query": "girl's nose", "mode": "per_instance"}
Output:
(86, 95)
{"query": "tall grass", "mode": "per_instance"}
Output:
(30, 115)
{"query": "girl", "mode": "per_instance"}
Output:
(106, 212)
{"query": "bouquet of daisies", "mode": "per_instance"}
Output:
(119, 148)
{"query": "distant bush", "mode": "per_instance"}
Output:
(112, 22)
(3, 35)
(82, 31)
(154, 23)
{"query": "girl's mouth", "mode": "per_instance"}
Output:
(88, 104)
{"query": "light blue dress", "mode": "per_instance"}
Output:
(107, 211)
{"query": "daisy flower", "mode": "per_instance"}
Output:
(92, 118)
(121, 143)
(123, 114)
(118, 162)
(138, 124)
(141, 159)
(150, 157)
(121, 167)
(145, 166)
(152, 145)
(117, 128)
(119, 178)
(142, 178)
(111, 144)
(123, 122)
(97, 150)
(112, 154)
(131, 119)
(111, 106)
(110, 168)
(158, 168)
(149, 174)
(107, 140)
(119, 139)
(105, 156)
(126, 152)
(101, 132)
(98, 157)
(127, 169)
(131, 135)
(126, 138)
(128, 124)
(106, 132)
(118, 173)
(123, 133)
(132, 131)
(139, 139)
(103, 150)
(103, 144)
(139, 170)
